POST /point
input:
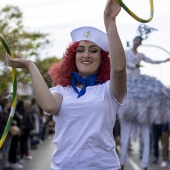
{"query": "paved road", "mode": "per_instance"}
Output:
(134, 162)
(42, 158)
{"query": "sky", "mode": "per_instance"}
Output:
(59, 17)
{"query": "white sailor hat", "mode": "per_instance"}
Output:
(91, 34)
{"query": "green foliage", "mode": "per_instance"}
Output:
(4, 79)
(20, 41)
(43, 66)
(18, 38)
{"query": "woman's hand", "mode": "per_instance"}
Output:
(18, 62)
(112, 9)
(138, 65)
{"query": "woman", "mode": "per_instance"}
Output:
(148, 101)
(88, 89)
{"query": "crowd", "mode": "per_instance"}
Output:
(30, 127)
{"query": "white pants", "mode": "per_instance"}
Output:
(126, 129)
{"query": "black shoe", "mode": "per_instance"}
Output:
(155, 160)
(140, 156)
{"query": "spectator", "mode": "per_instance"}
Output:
(4, 114)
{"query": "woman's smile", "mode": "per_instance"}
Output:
(88, 58)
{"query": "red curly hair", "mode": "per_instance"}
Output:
(60, 72)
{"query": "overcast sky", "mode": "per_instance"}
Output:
(59, 17)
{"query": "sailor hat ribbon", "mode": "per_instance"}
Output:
(91, 34)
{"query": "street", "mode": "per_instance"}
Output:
(134, 162)
(42, 158)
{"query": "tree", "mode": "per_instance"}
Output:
(43, 66)
(20, 40)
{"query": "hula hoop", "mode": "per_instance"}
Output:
(14, 95)
(134, 15)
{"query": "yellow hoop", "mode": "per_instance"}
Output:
(134, 15)
(14, 97)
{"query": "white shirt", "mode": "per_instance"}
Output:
(133, 59)
(84, 130)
